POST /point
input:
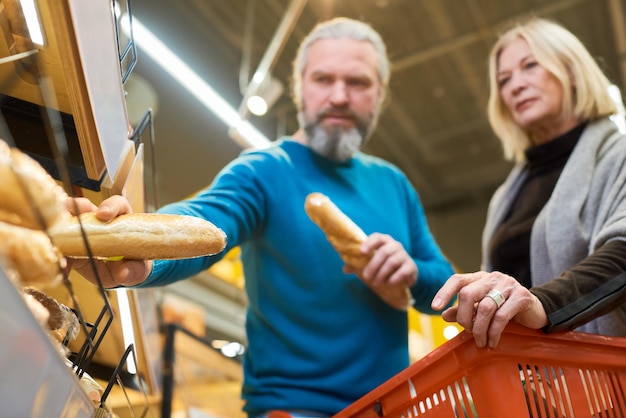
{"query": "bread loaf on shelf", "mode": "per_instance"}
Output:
(29, 196)
(61, 320)
(28, 256)
(346, 238)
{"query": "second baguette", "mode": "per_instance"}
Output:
(346, 238)
(138, 236)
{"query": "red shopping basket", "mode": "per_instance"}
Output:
(529, 374)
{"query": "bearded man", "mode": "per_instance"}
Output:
(318, 337)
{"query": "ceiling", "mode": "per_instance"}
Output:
(434, 126)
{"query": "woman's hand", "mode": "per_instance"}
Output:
(480, 314)
(108, 273)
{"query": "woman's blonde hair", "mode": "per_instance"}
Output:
(585, 87)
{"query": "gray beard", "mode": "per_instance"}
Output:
(334, 144)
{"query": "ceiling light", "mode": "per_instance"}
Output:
(257, 105)
(268, 92)
(195, 85)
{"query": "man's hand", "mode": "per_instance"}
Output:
(389, 272)
(109, 274)
(108, 209)
(390, 263)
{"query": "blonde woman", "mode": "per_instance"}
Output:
(554, 243)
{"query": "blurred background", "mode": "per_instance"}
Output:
(198, 63)
(434, 125)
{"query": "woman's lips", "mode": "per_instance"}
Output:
(524, 104)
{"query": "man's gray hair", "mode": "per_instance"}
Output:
(340, 28)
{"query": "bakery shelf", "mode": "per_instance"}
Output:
(36, 381)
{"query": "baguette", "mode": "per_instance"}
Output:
(29, 196)
(346, 238)
(29, 256)
(138, 236)
(342, 233)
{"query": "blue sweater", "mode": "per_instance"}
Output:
(318, 339)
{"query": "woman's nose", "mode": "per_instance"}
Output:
(517, 84)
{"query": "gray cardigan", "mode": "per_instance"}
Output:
(587, 208)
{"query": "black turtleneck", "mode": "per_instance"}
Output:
(510, 246)
(594, 286)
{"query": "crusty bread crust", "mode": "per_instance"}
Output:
(346, 238)
(30, 196)
(138, 236)
(29, 257)
(62, 319)
(343, 234)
